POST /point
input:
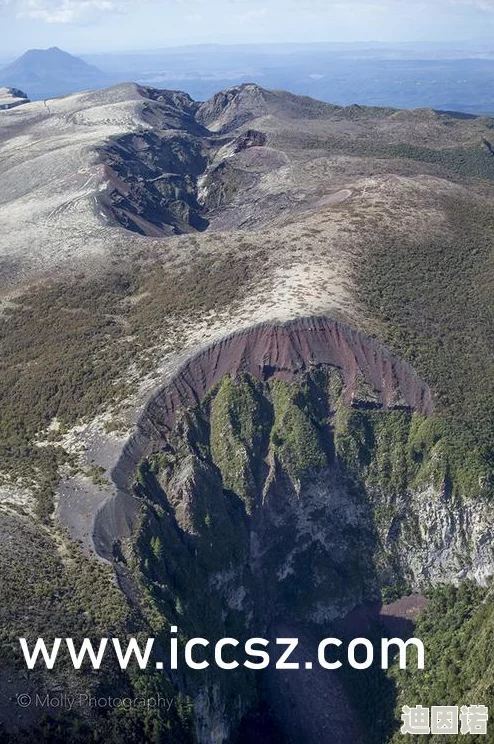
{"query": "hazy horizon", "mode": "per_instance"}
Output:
(439, 75)
(417, 49)
(97, 26)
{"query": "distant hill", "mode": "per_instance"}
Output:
(47, 73)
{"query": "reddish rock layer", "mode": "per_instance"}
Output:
(284, 351)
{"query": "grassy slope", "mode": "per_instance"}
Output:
(53, 590)
(67, 349)
(435, 304)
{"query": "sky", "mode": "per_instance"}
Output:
(80, 26)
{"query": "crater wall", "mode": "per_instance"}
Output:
(371, 375)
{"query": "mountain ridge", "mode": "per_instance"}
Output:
(123, 178)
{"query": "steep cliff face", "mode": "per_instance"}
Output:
(290, 478)
(151, 175)
(370, 373)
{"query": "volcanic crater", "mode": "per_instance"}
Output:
(372, 377)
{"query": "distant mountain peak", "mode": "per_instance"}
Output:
(47, 73)
(50, 52)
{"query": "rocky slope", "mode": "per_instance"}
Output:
(12, 97)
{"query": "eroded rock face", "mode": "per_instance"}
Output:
(286, 476)
(151, 175)
(156, 178)
(172, 177)
(152, 182)
(284, 351)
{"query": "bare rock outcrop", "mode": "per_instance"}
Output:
(12, 97)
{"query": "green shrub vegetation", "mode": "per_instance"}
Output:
(51, 588)
(457, 630)
(472, 160)
(435, 302)
(294, 437)
(398, 450)
(239, 422)
(68, 348)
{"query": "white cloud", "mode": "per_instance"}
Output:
(67, 11)
(83, 11)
